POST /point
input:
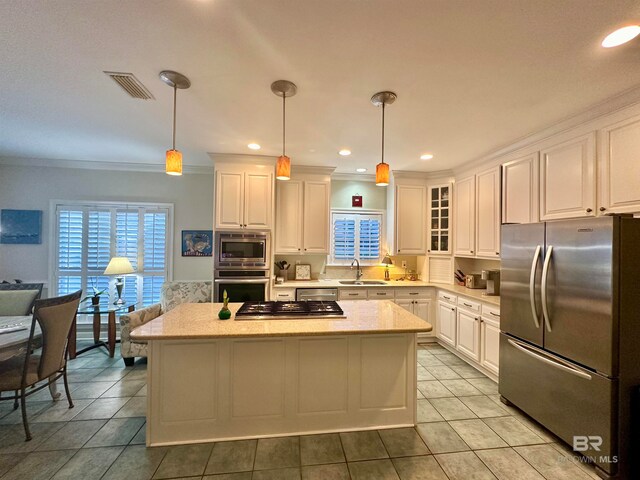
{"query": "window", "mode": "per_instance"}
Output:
(88, 235)
(356, 235)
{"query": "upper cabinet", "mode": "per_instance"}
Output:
(620, 167)
(439, 198)
(243, 197)
(488, 213)
(302, 216)
(409, 221)
(520, 181)
(464, 204)
(567, 179)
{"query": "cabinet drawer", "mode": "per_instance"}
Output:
(468, 304)
(491, 311)
(353, 294)
(380, 293)
(447, 297)
(408, 292)
(287, 295)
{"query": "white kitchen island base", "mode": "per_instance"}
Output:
(203, 390)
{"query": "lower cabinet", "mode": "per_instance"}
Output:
(420, 308)
(446, 323)
(468, 333)
(490, 344)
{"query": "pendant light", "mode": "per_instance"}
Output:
(174, 157)
(382, 169)
(284, 89)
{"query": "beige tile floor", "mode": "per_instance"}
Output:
(464, 432)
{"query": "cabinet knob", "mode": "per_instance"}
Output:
(298, 249)
(470, 251)
(589, 210)
(453, 309)
(602, 209)
(497, 253)
(305, 249)
(428, 250)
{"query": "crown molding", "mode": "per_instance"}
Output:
(311, 169)
(240, 158)
(621, 101)
(358, 177)
(437, 175)
(99, 165)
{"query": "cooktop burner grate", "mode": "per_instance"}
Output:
(277, 310)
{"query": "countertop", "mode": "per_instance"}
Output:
(200, 320)
(476, 294)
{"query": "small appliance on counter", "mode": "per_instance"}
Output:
(492, 278)
(475, 281)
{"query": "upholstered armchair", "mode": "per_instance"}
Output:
(171, 295)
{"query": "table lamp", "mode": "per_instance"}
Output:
(119, 266)
(386, 261)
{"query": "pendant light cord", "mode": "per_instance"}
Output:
(175, 91)
(383, 131)
(284, 113)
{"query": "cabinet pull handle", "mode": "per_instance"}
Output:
(467, 305)
(589, 210)
(413, 293)
(602, 209)
(494, 314)
(380, 293)
(353, 294)
(444, 296)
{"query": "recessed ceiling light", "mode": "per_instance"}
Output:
(426, 156)
(345, 152)
(254, 146)
(620, 36)
(361, 170)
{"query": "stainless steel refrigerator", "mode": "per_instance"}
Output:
(570, 333)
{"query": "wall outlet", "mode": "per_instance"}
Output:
(404, 264)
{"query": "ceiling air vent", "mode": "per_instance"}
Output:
(131, 85)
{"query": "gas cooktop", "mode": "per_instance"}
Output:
(285, 310)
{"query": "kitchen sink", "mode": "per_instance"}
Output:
(362, 282)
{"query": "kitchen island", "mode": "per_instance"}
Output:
(212, 380)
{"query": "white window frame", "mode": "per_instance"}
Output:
(54, 205)
(333, 262)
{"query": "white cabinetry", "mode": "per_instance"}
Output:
(468, 328)
(567, 179)
(620, 162)
(302, 211)
(446, 325)
(488, 213)
(490, 344)
(243, 197)
(439, 198)
(464, 203)
(520, 190)
(410, 215)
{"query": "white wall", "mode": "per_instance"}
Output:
(31, 188)
(373, 197)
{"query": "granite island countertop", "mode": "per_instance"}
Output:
(476, 294)
(200, 321)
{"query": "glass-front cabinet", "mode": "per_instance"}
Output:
(439, 219)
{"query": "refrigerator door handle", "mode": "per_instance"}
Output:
(545, 276)
(532, 287)
(549, 361)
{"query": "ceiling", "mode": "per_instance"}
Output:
(471, 76)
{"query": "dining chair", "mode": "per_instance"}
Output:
(22, 374)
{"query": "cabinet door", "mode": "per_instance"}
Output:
(316, 217)
(439, 210)
(258, 200)
(567, 179)
(446, 323)
(410, 217)
(406, 304)
(229, 199)
(490, 340)
(464, 205)
(421, 309)
(520, 184)
(468, 334)
(620, 179)
(289, 217)
(488, 213)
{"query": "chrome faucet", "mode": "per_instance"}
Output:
(358, 269)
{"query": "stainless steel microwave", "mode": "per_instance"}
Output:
(242, 250)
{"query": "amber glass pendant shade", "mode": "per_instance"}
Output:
(174, 162)
(382, 174)
(283, 168)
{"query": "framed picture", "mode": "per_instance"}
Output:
(21, 226)
(303, 271)
(197, 243)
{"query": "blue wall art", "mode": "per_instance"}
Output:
(21, 226)
(197, 243)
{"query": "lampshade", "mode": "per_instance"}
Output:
(283, 168)
(119, 266)
(174, 162)
(387, 260)
(382, 174)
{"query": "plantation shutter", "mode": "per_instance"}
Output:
(370, 239)
(356, 235)
(344, 238)
(70, 234)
